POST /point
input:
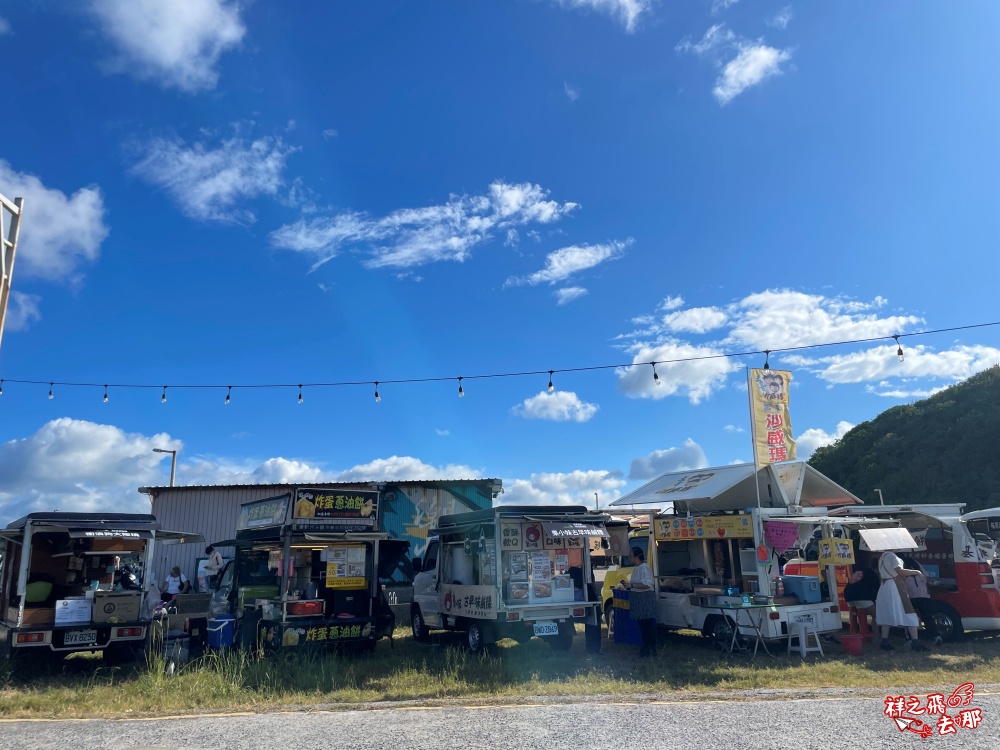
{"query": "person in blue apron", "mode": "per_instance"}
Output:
(642, 600)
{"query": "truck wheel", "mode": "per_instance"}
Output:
(476, 638)
(120, 653)
(719, 630)
(563, 641)
(417, 626)
(941, 621)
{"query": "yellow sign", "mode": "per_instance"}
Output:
(772, 424)
(707, 527)
(836, 552)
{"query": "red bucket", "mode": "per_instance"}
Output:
(852, 644)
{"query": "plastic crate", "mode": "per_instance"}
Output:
(626, 630)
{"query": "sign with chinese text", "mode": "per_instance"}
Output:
(345, 567)
(300, 635)
(469, 601)
(340, 510)
(268, 512)
(534, 537)
(510, 536)
(836, 552)
(937, 713)
(706, 527)
(772, 425)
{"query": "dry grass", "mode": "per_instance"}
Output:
(687, 664)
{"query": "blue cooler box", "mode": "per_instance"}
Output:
(626, 629)
(806, 588)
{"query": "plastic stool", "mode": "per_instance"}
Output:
(859, 623)
(802, 631)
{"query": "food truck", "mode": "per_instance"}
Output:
(508, 572)
(62, 588)
(720, 539)
(307, 571)
(962, 583)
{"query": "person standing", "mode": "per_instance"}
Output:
(861, 594)
(893, 607)
(212, 566)
(642, 600)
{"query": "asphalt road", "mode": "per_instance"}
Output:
(797, 724)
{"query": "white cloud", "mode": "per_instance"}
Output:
(558, 406)
(513, 238)
(567, 295)
(695, 320)
(176, 44)
(400, 468)
(59, 233)
(716, 36)
(720, 6)
(22, 311)
(880, 363)
(704, 373)
(73, 465)
(208, 183)
(330, 134)
(670, 303)
(442, 433)
(689, 456)
(627, 12)
(782, 18)
(415, 236)
(733, 428)
(807, 443)
(572, 92)
(5, 27)
(572, 488)
(904, 393)
(754, 64)
(566, 261)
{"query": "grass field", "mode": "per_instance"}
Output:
(687, 665)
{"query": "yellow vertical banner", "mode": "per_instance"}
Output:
(772, 425)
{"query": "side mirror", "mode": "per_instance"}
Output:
(417, 564)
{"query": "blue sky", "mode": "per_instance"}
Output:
(252, 193)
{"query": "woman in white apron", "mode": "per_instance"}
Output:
(893, 607)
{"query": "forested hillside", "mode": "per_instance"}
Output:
(944, 449)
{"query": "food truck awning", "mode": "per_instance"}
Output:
(735, 487)
(880, 540)
(569, 529)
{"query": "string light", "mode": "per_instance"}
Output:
(228, 392)
(461, 392)
(105, 393)
(526, 373)
(378, 398)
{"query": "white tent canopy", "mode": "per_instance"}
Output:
(733, 488)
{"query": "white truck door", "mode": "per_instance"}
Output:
(425, 592)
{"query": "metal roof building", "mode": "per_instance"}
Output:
(409, 509)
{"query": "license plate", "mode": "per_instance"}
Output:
(804, 619)
(546, 628)
(79, 637)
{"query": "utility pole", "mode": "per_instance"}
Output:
(8, 244)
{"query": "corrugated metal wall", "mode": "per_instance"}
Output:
(409, 510)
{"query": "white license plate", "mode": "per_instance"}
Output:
(79, 637)
(804, 619)
(546, 628)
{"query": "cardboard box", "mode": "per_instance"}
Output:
(116, 606)
(72, 611)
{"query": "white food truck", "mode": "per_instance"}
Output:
(721, 538)
(508, 572)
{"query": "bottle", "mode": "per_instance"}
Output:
(781, 587)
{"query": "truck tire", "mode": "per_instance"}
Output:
(476, 638)
(720, 630)
(563, 641)
(417, 625)
(942, 621)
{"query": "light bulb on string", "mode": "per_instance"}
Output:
(899, 349)
(163, 398)
(656, 378)
(1, 387)
(105, 394)
(51, 395)
(229, 391)
(300, 393)
(378, 398)
(767, 358)
(461, 391)
(551, 387)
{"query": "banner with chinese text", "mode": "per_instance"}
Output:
(772, 425)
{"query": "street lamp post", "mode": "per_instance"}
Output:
(880, 500)
(173, 462)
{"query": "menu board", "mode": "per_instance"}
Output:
(268, 512)
(345, 567)
(340, 510)
(518, 562)
(488, 565)
(704, 527)
(541, 566)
